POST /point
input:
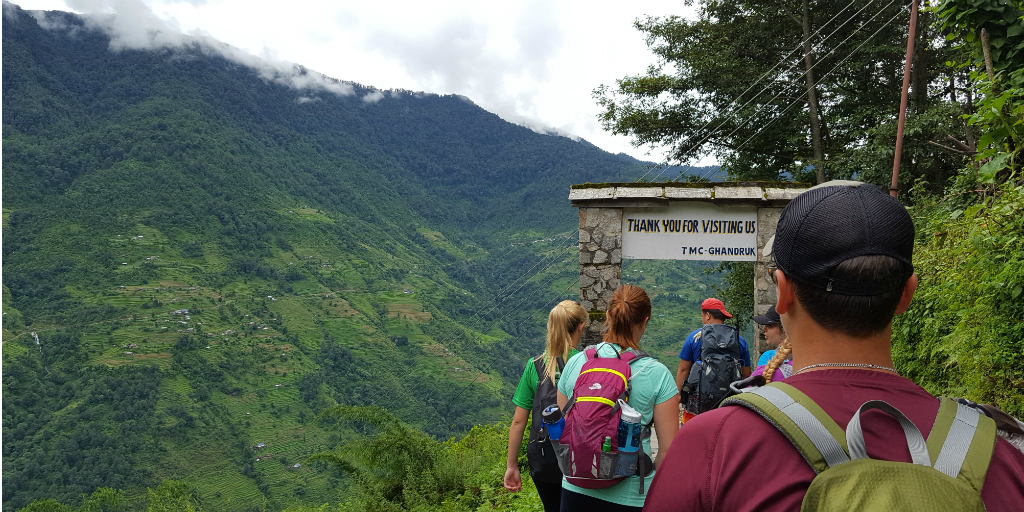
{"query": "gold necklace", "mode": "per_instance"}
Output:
(848, 365)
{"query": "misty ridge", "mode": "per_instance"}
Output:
(134, 26)
(201, 256)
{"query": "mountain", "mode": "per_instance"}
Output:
(197, 259)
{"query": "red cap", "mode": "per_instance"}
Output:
(714, 303)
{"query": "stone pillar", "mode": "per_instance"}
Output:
(600, 264)
(765, 294)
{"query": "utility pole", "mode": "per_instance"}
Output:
(894, 186)
(812, 95)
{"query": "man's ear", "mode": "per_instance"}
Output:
(787, 293)
(908, 294)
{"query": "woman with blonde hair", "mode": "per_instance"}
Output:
(535, 392)
(653, 394)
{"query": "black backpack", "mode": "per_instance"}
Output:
(721, 364)
(539, 452)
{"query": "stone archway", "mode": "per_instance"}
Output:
(609, 211)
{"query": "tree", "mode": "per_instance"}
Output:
(173, 496)
(990, 37)
(804, 87)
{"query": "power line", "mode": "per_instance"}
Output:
(558, 254)
(798, 100)
(802, 75)
(766, 73)
(463, 390)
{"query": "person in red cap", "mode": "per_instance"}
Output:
(712, 312)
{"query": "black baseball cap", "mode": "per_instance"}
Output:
(769, 318)
(836, 221)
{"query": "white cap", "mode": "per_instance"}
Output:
(629, 414)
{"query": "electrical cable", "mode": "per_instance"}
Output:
(834, 68)
(558, 254)
(463, 390)
(794, 64)
(766, 73)
(797, 101)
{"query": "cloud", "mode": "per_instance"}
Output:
(463, 55)
(10, 11)
(373, 97)
(132, 25)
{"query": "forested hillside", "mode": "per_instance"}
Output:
(198, 260)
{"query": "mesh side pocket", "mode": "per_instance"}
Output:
(626, 463)
(562, 454)
(606, 470)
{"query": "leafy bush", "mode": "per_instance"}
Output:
(963, 333)
(397, 468)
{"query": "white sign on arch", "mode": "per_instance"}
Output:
(690, 231)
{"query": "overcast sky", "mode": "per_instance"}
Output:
(531, 62)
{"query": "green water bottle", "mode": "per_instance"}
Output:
(607, 446)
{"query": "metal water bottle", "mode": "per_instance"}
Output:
(629, 428)
(553, 421)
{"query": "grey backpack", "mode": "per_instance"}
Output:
(720, 365)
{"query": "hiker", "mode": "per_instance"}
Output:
(712, 315)
(843, 252)
(775, 364)
(652, 394)
(536, 390)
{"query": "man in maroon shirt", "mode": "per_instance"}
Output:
(843, 251)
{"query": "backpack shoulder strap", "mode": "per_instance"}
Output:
(632, 354)
(961, 442)
(538, 364)
(818, 438)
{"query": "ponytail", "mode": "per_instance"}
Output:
(781, 354)
(630, 306)
(564, 319)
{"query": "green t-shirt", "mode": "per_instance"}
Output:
(527, 387)
(652, 384)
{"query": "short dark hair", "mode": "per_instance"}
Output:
(715, 313)
(856, 315)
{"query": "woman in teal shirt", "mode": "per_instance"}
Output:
(566, 323)
(653, 393)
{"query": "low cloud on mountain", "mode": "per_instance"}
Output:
(132, 25)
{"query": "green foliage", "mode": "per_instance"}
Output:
(138, 184)
(400, 469)
(103, 499)
(963, 334)
(169, 496)
(736, 291)
(1002, 19)
(733, 83)
(173, 496)
(999, 115)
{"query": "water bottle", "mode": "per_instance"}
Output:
(553, 421)
(629, 428)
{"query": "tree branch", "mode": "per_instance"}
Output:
(951, 150)
(960, 145)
